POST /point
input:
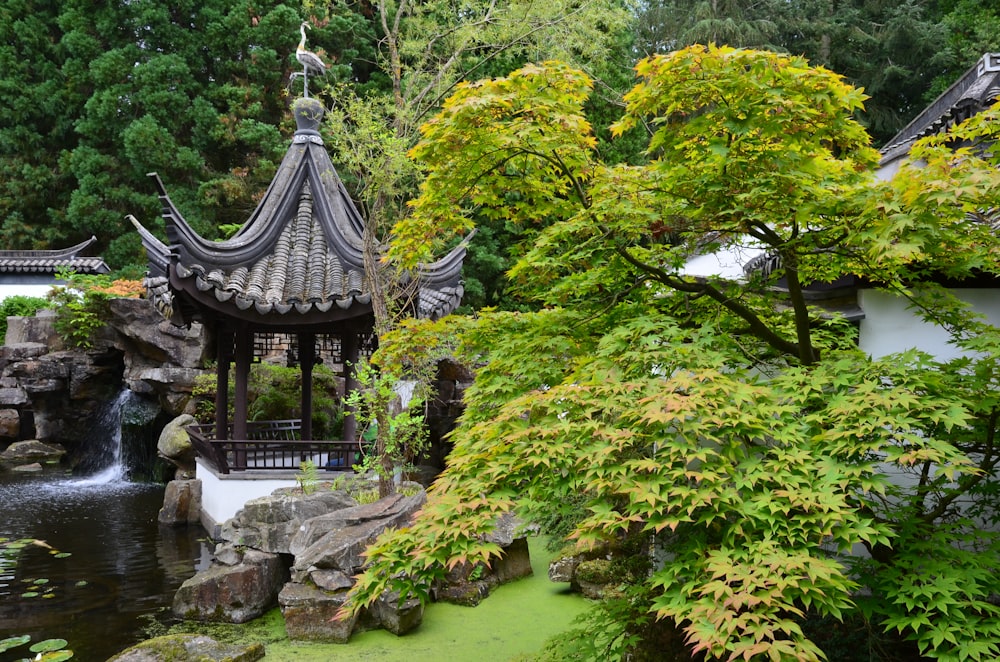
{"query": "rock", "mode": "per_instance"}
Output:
(13, 396)
(232, 594)
(506, 529)
(270, 523)
(10, 424)
(26, 452)
(337, 540)
(331, 580)
(310, 614)
(229, 554)
(181, 503)
(594, 577)
(174, 444)
(28, 468)
(396, 616)
(564, 569)
(462, 592)
(189, 648)
(150, 336)
(23, 351)
(39, 329)
(515, 562)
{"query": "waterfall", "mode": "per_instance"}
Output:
(108, 457)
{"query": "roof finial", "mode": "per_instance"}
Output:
(310, 61)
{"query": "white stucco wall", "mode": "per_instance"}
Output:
(222, 496)
(889, 326)
(24, 289)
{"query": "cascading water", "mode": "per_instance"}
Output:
(107, 459)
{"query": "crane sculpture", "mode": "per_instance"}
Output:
(310, 61)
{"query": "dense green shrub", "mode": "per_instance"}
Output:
(275, 393)
(82, 304)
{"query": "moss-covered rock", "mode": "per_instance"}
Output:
(189, 648)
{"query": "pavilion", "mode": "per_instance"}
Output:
(296, 268)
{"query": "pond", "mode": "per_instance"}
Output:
(121, 571)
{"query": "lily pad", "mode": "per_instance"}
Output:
(48, 645)
(13, 642)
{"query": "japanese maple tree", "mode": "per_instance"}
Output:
(723, 436)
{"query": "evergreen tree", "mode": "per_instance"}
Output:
(196, 91)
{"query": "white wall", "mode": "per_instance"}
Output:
(222, 496)
(24, 289)
(889, 326)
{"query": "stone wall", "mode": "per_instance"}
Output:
(53, 393)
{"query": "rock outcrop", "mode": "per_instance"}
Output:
(189, 648)
(31, 452)
(160, 360)
(270, 523)
(57, 394)
(233, 593)
(321, 537)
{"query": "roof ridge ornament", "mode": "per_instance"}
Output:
(311, 63)
(989, 63)
(308, 113)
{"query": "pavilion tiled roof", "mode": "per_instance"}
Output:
(52, 261)
(300, 255)
(975, 91)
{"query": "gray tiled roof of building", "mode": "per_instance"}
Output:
(51, 261)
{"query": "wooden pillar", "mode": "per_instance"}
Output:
(244, 356)
(307, 357)
(350, 350)
(223, 357)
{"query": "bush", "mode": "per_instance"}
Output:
(275, 393)
(82, 304)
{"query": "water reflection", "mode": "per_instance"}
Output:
(122, 570)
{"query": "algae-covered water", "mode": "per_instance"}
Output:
(515, 620)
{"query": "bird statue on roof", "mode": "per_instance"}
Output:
(311, 63)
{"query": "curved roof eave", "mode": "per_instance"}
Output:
(301, 316)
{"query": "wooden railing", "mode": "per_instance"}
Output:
(273, 446)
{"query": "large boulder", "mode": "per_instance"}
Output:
(310, 614)
(175, 446)
(338, 539)
(270, 523)
(189, 648)
(181, 503)
(31, 451)
(232, 593)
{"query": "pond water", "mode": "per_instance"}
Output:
(121, 572)
(116, 570)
